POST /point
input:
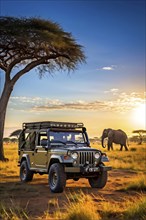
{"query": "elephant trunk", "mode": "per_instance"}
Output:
(102, 142)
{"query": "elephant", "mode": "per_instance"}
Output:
(114, 136)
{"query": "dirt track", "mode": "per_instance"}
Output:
(36, 196)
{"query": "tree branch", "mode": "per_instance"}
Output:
(31, 66)
(16, 61)
(43, 60)
(2, 67)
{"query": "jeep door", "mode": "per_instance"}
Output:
(41, 152)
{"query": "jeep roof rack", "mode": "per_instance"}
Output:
(51, 124)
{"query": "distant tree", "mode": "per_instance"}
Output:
(134, 138)
(15, 133)
(140, 132)
(13, 140)
(27, 43)
(6, 139)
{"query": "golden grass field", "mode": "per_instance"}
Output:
(124, 196)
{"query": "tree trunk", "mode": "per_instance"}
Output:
(8, 87)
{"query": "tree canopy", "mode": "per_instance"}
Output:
(15, 133)
(27, 43)
(140, 132)
(38, 42)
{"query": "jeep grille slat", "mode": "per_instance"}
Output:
(86, 156)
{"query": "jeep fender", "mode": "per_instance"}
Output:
(25, 157)
(104, 158)
(54, 159)
(57, 157)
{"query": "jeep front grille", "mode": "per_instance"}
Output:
(86, 156)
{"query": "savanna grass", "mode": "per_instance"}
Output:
(10, 168)
(83, 209)
(128, 210)
(12, 212)
(136, 210)
(79, 205)
(127, 160)
(137, 184)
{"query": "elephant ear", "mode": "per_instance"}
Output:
(111, 134)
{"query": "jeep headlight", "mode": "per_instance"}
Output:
(97, 155)
(74, 155)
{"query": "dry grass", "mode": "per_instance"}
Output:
(128, 210)
(136, 210)
(138, 183)
(132, 159)
(10, 168)
(12, 212)
(81, 208)
(78, 206)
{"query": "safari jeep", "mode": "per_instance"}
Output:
(61, 150)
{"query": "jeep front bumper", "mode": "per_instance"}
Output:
(87, 169)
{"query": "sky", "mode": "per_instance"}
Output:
(108, 91)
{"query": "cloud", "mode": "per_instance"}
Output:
(108, 68)
(78, 105)
(113, 91)
(121, 103)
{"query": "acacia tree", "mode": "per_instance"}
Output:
(140, 132)
(16, 133)
(27, 43)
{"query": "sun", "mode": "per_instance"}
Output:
(139, 116)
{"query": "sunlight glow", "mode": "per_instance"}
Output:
(139, 116)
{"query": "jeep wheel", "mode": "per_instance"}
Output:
(57, 178)
(99, 181)
(25, 174)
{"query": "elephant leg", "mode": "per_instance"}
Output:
(121, 147)
(109, 145)
(112, 146)
(126, 148)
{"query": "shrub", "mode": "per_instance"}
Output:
(133, 149)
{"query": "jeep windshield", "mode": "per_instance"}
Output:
(67, 137)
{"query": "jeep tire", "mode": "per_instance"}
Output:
(99, 181)
(57, 178)
(25, 173)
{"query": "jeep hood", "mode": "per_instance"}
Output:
(74, 148)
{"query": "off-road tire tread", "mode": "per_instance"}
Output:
(29, 174)
(58, 168)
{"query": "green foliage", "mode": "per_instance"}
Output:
(10, 140)
(24, 40)
(30, 43)
(15, 133)
(141, 136)
(6, 139)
